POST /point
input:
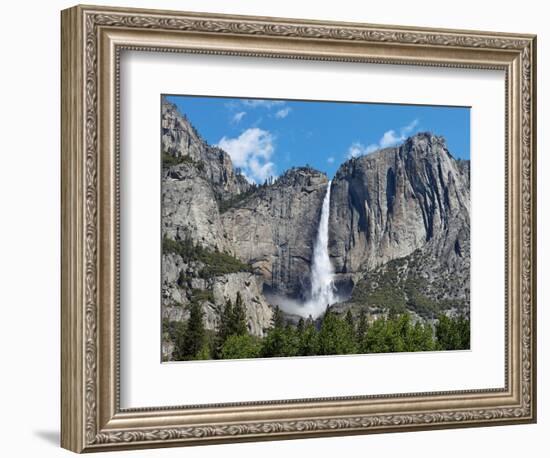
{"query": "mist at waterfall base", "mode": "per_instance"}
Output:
(323, 291)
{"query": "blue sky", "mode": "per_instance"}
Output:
(266, 137)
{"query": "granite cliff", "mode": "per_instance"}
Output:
(409, 203)
(387, 204)
(197, 262)
(274, 230)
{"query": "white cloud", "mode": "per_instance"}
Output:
(237, 117)
(330, 159)
(251, 151)
(358, 149)
(283, 113)
(409, 127)
(259, 170)
(276, 108)
(255, 103)
(390, 138)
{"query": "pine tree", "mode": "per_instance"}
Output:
(361, 331)
(291, 341)
(308, 340)
(447, 338)
(424, 336)
(350, 322)
(224, 326)
(406, 333)
(176, 331)
(335, 336)
(237, 347)
(281, 341)
(453, 333)
(375, 339)
(238, 318)
(278, 320)
(463, 325)
(194, 339)
(300, 326)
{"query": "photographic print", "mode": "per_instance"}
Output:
(309, 228)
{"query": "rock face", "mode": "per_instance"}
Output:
(258, 311)
(196, 178)
(414, 198)
(389, 203)
(274, 230)
(180, 139)
(190, 208)
(219, 290)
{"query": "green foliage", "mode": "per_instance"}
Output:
(381, 338)
(235, 200)
(300, 326)
(397, 334)
(362, 327)
(202, 295)
(391, 290)
(422, 338)
(452, 334)
(278, 319)
(382, 290)
(238, 317)
(274, 344)
(175, 332)
(224, 326)
(177, 247)
(417, 301)
(169, 160)
(215, 262)
(341, 336)
(336, 337)
(309, 342)
(182, 279)
(195, 339)
(232, 323)
(281, 341)
(203, 354)
(240, 346)
(188, 343)
(350, 321)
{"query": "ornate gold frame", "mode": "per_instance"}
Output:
(92, 39)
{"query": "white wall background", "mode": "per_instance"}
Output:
(29, 228)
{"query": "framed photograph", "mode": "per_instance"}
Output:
(278, 228)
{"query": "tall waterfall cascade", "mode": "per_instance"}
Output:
(323, 290)
(322, 273)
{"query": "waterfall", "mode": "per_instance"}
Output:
(322, 274)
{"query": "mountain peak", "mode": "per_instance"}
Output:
(389, 189)
(425, 141)
(302, 176)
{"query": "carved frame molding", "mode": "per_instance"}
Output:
(92, 39)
